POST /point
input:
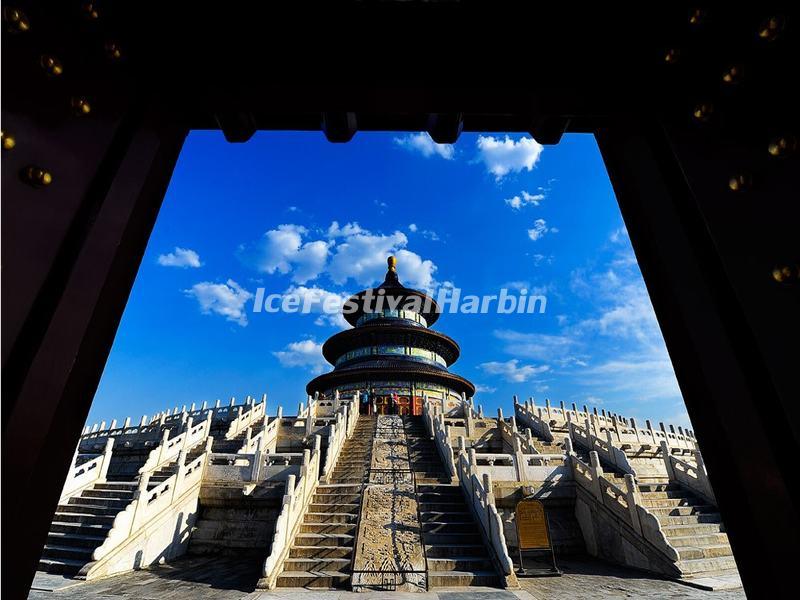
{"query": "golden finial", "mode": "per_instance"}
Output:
(392, 262)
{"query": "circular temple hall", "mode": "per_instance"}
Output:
(391, 357)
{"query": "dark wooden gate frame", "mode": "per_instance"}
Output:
(649, 86)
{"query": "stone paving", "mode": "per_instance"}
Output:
(193, 578)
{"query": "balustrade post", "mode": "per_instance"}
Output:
(610, 440)
(548, 409)
(106, 459)
(488, 497)
(668, 460)
(163, 446)
(217, 403)
(142, 421)
(597, 474)
(632, 499)
(500, 417)
(280, 413)
(635, 429)
(233, 401)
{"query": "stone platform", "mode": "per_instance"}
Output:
(232, 578)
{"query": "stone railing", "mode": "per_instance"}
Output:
(480, 499)
(242, 419)
(295, 502)
(169, 449)
(625, 504)
(341, 429)
(516, 466)
(624, 430)
(524, 414)
(86, 474)
(605, 448)
(691, 476)
(253, 467)
(126, 541)
(94, 441)
(434, 423)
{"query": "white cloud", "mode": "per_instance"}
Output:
(349, 229)
(619, 235)
(539, 229)
(422, 143)
(226, 299)
(512, 371)
(412, 228)
(363, 258)
(539, 346)
(538, 259)
(180, 257)
(517, 285)
(351, 252)
(283, 250)
(594, 400)
(524, 199)
(505, 156)
(485, 389)
(325, 304)
(303, 353)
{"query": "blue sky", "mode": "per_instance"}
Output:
(291, 211)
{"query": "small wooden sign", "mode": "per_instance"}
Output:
(532, 525)
(533, 534)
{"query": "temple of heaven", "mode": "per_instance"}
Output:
(391, 356)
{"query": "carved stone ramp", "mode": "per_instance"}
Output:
(389, 550)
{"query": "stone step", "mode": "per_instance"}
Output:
(103, 502)
(333, 517)
(86, 509)
(437, 579)
(79, 528)
(448, 526)
(324, 539)
(441, 506)
(708, 539)
(455, 550)
(690, 519)
(338, 488)
(329, 499)
(650, 503)
(327, 528)
(91, 542)
(448, 539)
(117, 485)
(649, 488)
(124, 493)
(697, 529)
(85, 518)
(70, 552)
(317, 564)
(327, 507)
(696, 552)
(461, 516)
(704, 565)
(317, 579)
(321, 552)
(60, 566)
(665, 494)
(675, 511)
(460, 563)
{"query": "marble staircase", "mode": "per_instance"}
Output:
(692, 526)
(322, 552)
(454, 549)
(82, 524)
